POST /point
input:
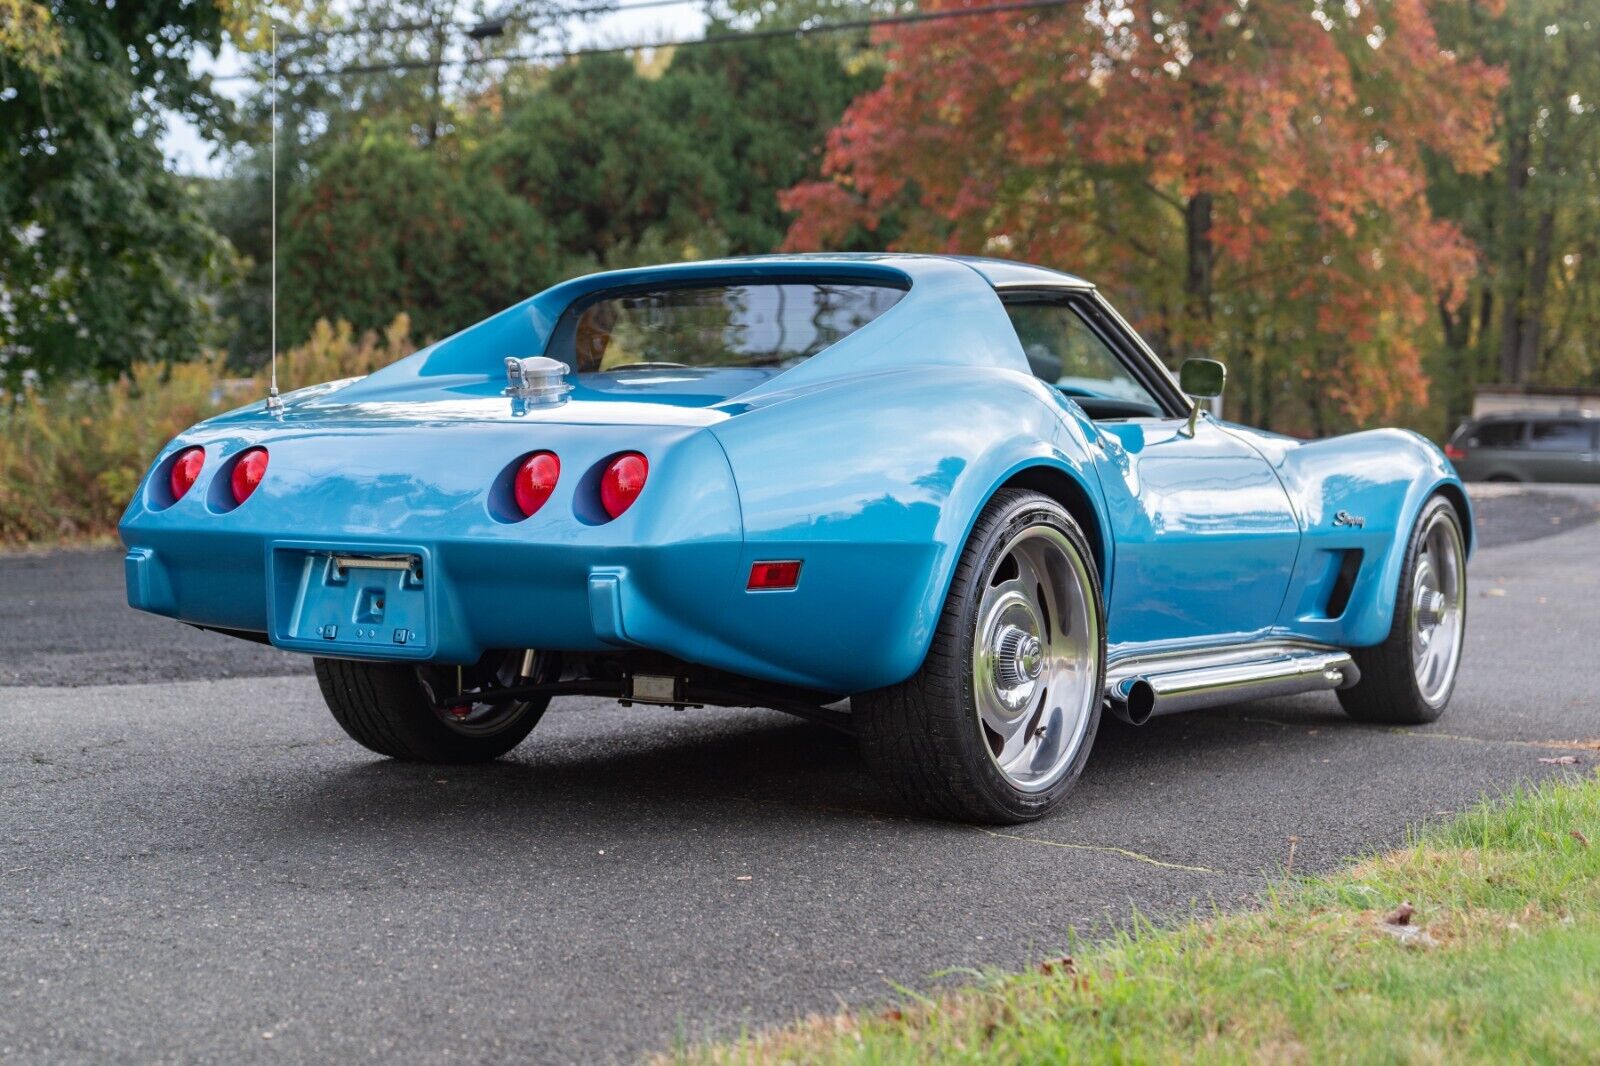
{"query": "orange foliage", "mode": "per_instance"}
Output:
(1086, 136)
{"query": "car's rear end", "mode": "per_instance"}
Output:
(436, 512)
(379, 533)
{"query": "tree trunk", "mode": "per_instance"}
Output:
(1200, 257)
(1532, 310)
(1514, 262)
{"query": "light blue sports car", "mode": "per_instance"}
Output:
(961, 494)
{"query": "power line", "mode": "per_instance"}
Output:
(487, 24)
(709, 39)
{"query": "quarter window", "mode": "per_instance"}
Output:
(1065, 351)
(1498, 435)
(1560, 437)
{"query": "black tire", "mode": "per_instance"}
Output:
(387, 708)
(1388, 691)
(923, 736)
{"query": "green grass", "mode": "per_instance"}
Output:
(1504, 966)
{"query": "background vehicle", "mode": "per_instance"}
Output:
(962, 493)
(1528, 447)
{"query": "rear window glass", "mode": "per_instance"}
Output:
(1498, 435)
(742, 325)
(1559, 437)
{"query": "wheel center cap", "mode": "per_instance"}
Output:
(1430, 609)
(1018, 659)
(1030, 659)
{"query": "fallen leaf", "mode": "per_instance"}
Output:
(1577, 834)
(1401, 915)
(893, 1014)
(1063, 965)
(1560, 760)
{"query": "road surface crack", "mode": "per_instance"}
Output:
(1107, 849)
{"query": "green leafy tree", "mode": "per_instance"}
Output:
(385, 227)
(105, 255)
(552, 172)
(1532, 312)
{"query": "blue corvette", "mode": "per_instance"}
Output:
(960, 493)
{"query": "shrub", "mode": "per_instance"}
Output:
(72, 454)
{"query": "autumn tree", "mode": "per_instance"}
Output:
(1247, 178)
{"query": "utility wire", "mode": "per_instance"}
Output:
(710, 39)
(513, 15)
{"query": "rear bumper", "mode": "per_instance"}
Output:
(686, 600)
(538, 596)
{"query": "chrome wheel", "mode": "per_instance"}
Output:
(1438, 590)
(1035, 657)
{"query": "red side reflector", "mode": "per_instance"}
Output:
(185, 471)
(1452, 452)
(248, 472)
(782, 574)
(535, 480)
(622, 482)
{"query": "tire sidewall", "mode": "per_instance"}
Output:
(1401, 629)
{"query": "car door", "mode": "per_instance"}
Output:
(1205, 536)
(1496, 450)
(1561, 450)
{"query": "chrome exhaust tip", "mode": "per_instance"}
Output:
(1137, 702)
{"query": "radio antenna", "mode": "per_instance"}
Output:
(274, 402)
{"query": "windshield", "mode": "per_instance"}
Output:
(757, 324)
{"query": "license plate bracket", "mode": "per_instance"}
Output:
(357, 601)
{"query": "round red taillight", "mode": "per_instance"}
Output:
(622, 482)
(535, 480)
(248, 472)
(185, 471)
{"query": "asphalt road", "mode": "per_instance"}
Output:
(195, 864)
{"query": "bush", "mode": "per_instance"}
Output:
(71, 455)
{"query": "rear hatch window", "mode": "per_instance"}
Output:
(756, 325)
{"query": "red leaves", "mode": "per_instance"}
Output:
(1079, 139)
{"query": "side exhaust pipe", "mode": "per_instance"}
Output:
(1190, 685)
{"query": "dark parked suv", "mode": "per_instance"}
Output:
(1527, 448)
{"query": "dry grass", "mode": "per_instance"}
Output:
(71, 456)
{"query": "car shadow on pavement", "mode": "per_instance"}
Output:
(728, 767)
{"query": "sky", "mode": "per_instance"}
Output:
(189, 153)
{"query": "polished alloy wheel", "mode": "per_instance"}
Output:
(1034, 658)
(1438, 618)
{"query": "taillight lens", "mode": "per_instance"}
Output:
(248, 472)
(535, 480)
(185, 471)
(1452, 452)
(622, 482)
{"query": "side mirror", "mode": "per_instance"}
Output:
(1202, 379)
